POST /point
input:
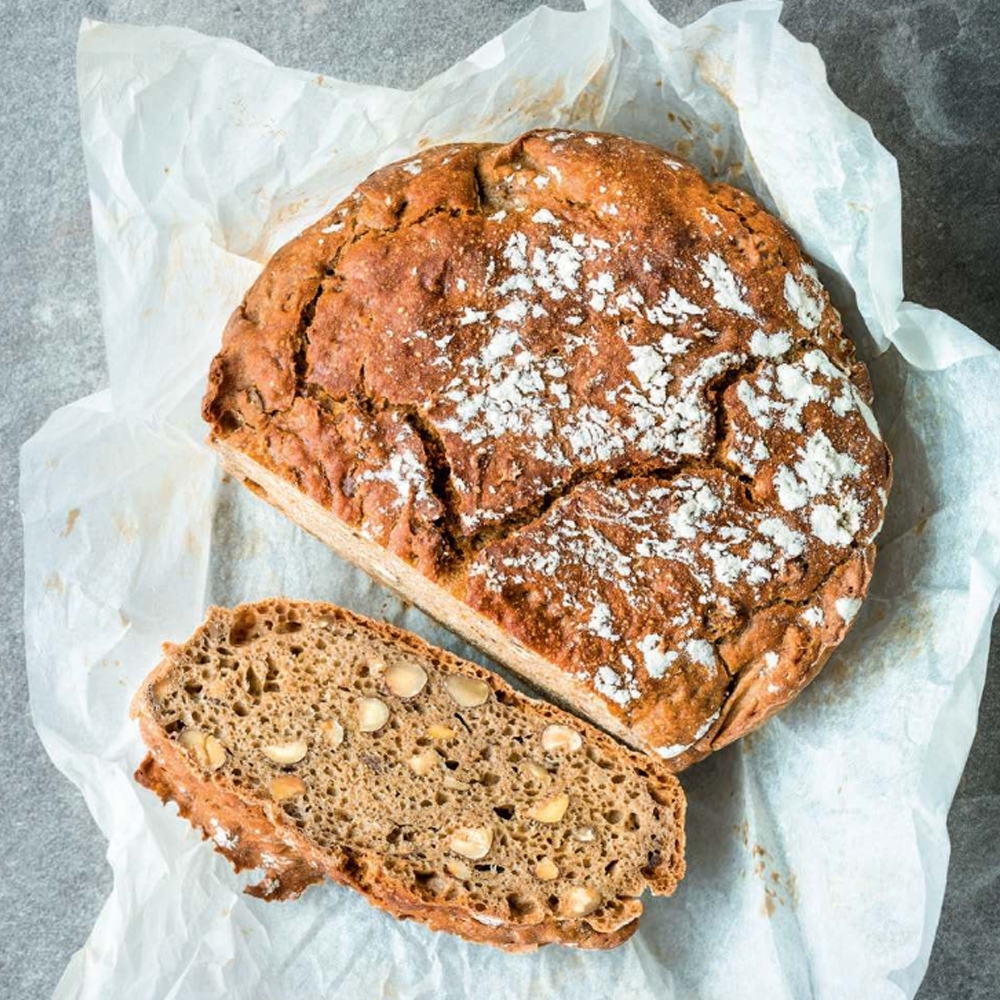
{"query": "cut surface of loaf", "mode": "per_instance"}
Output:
(591, 411)
(311, 742)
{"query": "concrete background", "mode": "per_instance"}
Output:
(922, 72)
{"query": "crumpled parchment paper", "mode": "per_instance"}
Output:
(818, 846)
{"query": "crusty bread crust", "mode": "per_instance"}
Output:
(590, 411)
(247, 829)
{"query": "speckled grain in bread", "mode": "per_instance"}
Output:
(592, 411)
(314, 743)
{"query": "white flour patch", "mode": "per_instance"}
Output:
(774, 346)
(672, 307)
(832, 526)
(701, 652)
(600, 622)
(472, 316)
(406, 474)
(813, 616)
(847, 607)
(691, 515)
(655, 659)
(617, 688)
(791, 542)
(808, 309)
(727, 290)
(544, 216)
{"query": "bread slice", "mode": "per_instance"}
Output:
(311, 742)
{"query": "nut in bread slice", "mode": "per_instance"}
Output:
(311, 742)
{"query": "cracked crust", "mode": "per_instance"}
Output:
(589, 410)
(279, 669)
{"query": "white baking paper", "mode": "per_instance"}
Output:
(817, 847)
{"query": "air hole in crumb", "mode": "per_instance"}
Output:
(451, 764)
(253, 683)
(271, 679)
(504, 812)
(613, 816)
(283, 628)
(441, 798)
(610, 867)
(240, 709)
(489, 779)
(242, 627)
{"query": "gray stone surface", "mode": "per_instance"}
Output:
(922, 72)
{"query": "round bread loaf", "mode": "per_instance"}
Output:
(590, 410)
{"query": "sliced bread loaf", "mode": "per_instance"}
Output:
(591, 410)
(311, 742)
